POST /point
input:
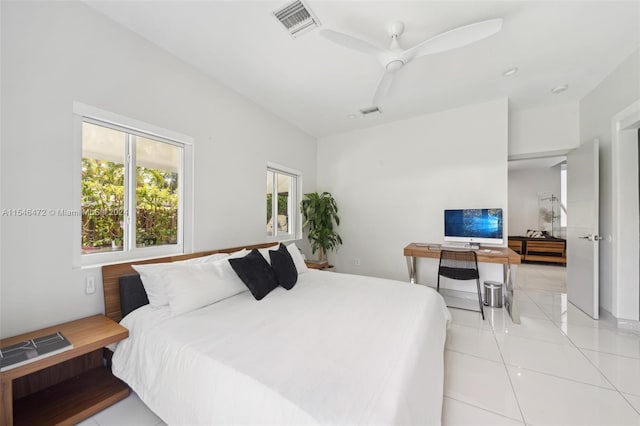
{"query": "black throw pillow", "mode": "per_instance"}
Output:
(283, 266)
(256, 273)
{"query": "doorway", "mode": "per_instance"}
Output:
(537, 215)
(626, 214)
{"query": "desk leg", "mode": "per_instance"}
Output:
(509, 302)
(411, 266)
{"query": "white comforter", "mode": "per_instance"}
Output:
(336, 349)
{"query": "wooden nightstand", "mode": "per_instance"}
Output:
(316, 264)
(67, 387)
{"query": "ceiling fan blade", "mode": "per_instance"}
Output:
(383, 87)
(457, 37)
(351, 42)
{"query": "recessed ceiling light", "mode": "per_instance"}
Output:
(351, 116)
(510, 72)
(559, 89)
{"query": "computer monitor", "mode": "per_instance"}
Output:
(473, 226)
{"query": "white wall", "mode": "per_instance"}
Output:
(626, 292)
(553, 128)
(524, 186)
(393, 181)
(54, 53)
(616, 92)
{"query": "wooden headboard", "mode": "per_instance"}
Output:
(112, 273)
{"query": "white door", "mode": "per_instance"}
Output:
(582, 228)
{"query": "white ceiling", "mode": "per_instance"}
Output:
(316, 84)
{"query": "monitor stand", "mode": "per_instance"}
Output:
(461, 246)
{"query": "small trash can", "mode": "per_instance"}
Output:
(493, 294)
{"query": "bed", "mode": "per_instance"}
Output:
(335, 349)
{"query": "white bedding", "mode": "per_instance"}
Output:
(336, 349)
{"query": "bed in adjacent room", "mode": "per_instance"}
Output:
(334, 349)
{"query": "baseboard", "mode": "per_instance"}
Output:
(621, 323)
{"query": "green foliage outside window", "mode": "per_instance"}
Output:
(283, 204)
(103, 205)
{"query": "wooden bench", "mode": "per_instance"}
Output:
(545, 251)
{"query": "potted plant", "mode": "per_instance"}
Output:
(319, 212)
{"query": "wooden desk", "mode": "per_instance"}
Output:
(500, 255)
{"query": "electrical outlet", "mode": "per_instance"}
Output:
(356, 261)
(90, 285)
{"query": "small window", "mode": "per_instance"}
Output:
(132, 192)
(282, 203)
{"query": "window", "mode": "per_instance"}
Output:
(282, 202)
(133, 186)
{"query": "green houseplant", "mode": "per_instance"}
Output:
(319, 212)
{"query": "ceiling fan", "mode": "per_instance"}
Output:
(395, 57)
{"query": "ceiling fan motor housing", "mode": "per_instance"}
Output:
(394, 65)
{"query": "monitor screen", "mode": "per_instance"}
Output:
(473, 225)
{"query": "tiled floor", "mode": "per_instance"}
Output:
(558, 367)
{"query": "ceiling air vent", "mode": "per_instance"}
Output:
(297, 18)
(370, 112)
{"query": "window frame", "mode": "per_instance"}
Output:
(134, 128)
(563, 196)
(294, 215)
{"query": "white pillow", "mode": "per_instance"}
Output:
(192, 286)
(265, 252)
(154, 282)
(239, 253)
(211, 258)
(294, 251)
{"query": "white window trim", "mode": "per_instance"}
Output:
(563, 196)
(80, 113)
(295, 216)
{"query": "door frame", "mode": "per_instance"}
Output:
(627, 119)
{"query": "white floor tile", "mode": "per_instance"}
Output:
(549, 400)
(536, 277)
(469, 319)
(461, 414)
(623, 372)
(634, 400)
(617, 341)
(550, 358)
(472, 341)
(530, 309)
(479, 382)
(521, 296)
(532, 328)
(496, 316)
(129, 411)
(574, 316)
(546, 299)
(88, 422)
